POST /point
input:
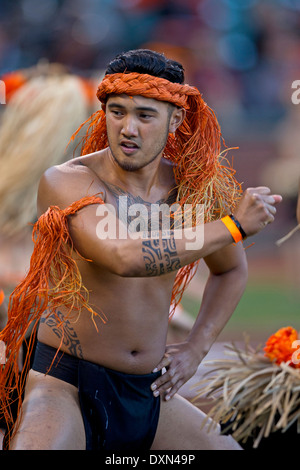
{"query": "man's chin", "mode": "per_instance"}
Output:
(128, 163)
(129, 167)
(132, 163)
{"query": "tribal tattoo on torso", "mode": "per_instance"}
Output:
(62, 328)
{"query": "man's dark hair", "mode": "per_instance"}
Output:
(148, 62)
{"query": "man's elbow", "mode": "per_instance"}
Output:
(240, 267)
(126, 264)
(242, 271)
(238, 273)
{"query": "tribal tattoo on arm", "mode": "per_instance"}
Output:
(70, 338)
(160, 257)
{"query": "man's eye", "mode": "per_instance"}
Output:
(145, 116)
(116, 112)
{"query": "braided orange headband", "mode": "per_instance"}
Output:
(146, 85)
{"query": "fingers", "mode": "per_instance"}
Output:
(259, 190)
(167, 384)
(257, 209)
(165, 362)
(266, 193)
(265, 204)
(167, 380)
(269, 207)
(171, 380)
(180, 363)
(277, 198)
(266, 198)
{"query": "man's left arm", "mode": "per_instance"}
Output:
(224, 288)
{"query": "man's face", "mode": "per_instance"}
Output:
(137, 129)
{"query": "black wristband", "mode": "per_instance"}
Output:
(238, 226)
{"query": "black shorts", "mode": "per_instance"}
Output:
(119, 410)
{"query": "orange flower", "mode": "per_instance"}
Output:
(279, 348)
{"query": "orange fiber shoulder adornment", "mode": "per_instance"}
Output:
(53, 280)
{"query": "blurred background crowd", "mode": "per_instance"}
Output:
(243, 55)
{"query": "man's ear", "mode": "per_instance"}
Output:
(177, 117)
(103, 107)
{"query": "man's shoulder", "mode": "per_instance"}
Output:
(61, 178)
(66, 183)
(69, 169)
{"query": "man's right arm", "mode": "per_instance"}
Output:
(142, 257)
(153, 257)
(156, 256)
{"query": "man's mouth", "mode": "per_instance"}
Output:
(128, 146)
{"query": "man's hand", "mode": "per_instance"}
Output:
(256, 209)
(181, 363)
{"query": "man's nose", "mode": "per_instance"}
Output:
(130, 128)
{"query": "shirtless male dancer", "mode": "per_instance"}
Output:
(107, 391)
